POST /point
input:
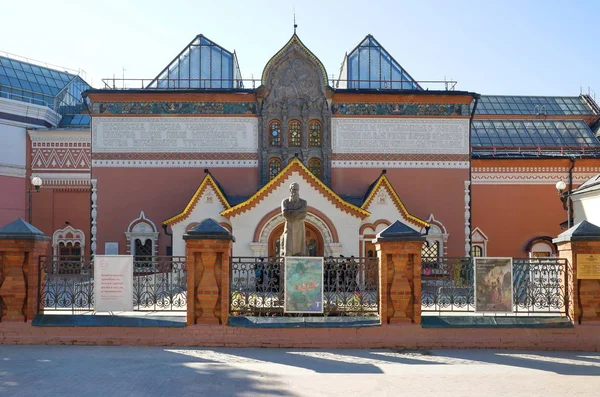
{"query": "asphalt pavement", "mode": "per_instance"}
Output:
(154, 371)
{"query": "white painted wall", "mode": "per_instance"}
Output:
(244, 224)
(14, 146)
(587, 207)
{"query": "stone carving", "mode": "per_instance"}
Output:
(400, 136)
(294, 211)
(206, 134)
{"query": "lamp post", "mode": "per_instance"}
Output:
(36, 182)
(565, 198)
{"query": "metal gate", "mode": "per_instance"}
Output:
(539, 285)
(66, 283)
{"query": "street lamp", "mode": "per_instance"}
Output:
(565, 198)
(36, 182)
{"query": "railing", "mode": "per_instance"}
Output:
(350, 286)
(539, 285)
(66, 283)
(199, 83)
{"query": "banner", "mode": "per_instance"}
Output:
(493, 285)
(303, 281)
(113, 283)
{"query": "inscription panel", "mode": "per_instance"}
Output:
(422, 136)
(189, 134)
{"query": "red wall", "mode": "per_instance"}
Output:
(422, 191)
(160, 192)
(12, 199)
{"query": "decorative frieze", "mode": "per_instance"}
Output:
(400, 109)
(67, 158)
(175, 163)
(174, 108)
(527, 178)
(420, 136)
(174, 134)
(401, 164)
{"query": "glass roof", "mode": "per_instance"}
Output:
(202, 64)
(27, 82)
(532, 133)
(370, 66)
(497, 104)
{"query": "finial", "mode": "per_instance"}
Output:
(295, 26)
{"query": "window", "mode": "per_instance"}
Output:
(143, 242)
(430, 250)
(295, 133)
(541, 247)
(275, 133)
(274, 167)
(476, 251)
(314, 131)
(314, 166)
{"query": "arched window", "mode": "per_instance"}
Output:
(295, 133)
(142, 236)
(476, 251)
(275, 133)
(314, 134)
(314, 166)
(274, 167)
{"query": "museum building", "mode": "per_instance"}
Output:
(130, 171)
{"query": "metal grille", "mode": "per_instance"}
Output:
(67, 284)
(351, 286)
(539, 285)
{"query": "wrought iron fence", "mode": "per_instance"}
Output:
(350, 286)
(539, 285)
(67, 283)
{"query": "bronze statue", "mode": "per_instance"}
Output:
(293, 209)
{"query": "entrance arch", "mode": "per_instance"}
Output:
(314, 240)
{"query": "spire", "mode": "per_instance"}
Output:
(295, 26)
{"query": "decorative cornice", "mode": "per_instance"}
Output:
(534, 169)
(384, 183)
(296, 165)
(64, 138)
(206, 182)
(175, 163)
(212, 108)
(176, 156)
(400, 109)
(12, 170)
(526, 178)
(401, 164)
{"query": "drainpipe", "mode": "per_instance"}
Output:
(164, 226)
(569, 200)
(476, 96)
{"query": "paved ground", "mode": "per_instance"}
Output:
(151, 371)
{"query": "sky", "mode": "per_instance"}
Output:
(501, 47)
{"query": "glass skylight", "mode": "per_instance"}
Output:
(532, 133)
(496, 104)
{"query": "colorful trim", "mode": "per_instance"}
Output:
(400, 109)
(385, 183)
(296, 165)
(295, 40)
(207, 181)
(176, 156)
(175, 108)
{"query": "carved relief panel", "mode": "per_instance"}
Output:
(295, 117)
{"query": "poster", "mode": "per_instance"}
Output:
(303, 280)
(113, 283)
(493, 285)
(588, 266)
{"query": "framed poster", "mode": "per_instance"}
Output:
(493, 284)
(303, 285)
(588, 266)
(113, 283)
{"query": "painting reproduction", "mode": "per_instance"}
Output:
(493, 285)
(303, 285)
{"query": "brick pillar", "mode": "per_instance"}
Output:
(21, 246)
(582, 242)
(399, 252)
(208, 250)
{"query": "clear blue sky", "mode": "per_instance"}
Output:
(530, 47)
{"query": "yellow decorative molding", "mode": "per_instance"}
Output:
(206, 182)
(296, 165)
(384, 182)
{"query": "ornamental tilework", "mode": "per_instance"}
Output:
(397, 157)
(71, 159)
(175, 108)
(175, 156)
(400, 109)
